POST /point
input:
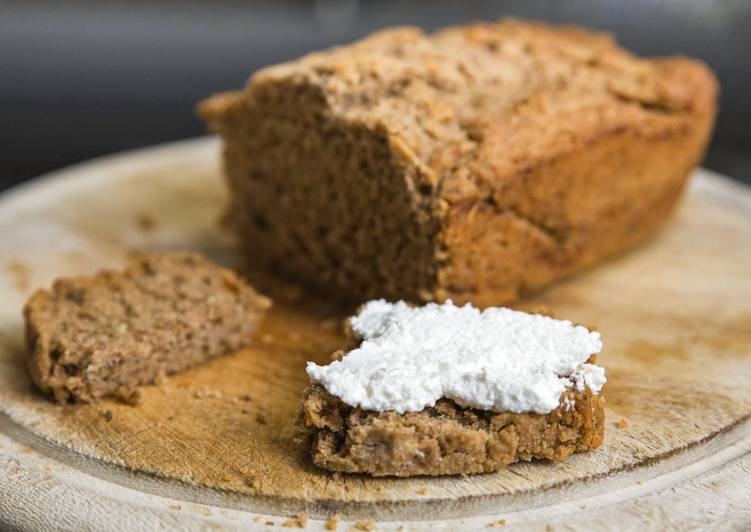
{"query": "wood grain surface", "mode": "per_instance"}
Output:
(675, 316)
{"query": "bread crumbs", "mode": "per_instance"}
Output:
(330, 325)
(145, 222)
(205, 392)
(20, 274)
(292, 293)
(621, 423)
(364, 525)
(299, 521)
(332, 523)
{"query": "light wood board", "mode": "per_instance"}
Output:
(675, 315)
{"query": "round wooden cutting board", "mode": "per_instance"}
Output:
(215, 447)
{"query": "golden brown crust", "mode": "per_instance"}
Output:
(106, 334)
(376, 169)
(617, 193)
(446, 439)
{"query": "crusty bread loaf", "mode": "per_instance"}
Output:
(107, 334)
(446, 439)
(476, 163)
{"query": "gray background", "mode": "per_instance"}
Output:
(85, 78)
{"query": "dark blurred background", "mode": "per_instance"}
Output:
(85, 78)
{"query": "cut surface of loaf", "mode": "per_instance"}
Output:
(446, 439)
(106, 334)
(476, 163)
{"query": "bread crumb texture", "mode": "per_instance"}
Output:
(109, 333)
(446, 439)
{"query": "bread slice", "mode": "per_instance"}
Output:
(476, 163)
(446, 439)
(107, 334)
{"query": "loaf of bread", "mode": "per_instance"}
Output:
(476, 163)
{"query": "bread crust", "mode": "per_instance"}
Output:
(107, 334)
(476, 163)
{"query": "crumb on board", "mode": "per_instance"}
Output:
(257, 518)
(129, 394)
(332, 522)
(250, 477)
(641, 481)
(269, 523)
(543, 310)
(422, 491)
(205, 392)
(365, 525)
(161, 379)
(175, 507)
(246, 397)
(20, 273)
(330, 325)
(298, 521)
(261, 418)
(145, 222)
(622, 423)
(107, 415)
(26, 450)
(292, 293)
(206, 513)
(134, 253)
(583, 506)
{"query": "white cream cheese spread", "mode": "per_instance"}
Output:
(494, 359)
